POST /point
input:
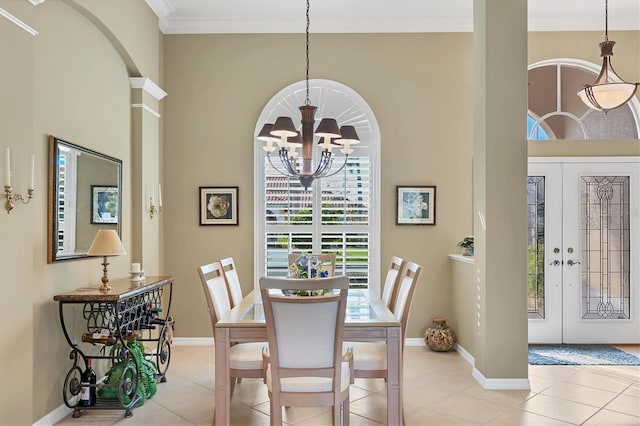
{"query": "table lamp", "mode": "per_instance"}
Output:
(106, 243)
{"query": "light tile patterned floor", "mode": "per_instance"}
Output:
(438, 390)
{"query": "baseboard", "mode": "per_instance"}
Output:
(208, 341)
(500, 384)
(54, 416)
(192, 341)
(465, 355)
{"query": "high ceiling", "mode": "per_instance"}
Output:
(378, 16)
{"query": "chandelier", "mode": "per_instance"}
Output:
(604, 94)
(288, 139)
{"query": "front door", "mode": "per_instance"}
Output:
(584, 222)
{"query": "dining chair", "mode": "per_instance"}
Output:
(245, 359)
(328, 261)
(232, 279)
(305, 365)
(394, 275)
(370, 358)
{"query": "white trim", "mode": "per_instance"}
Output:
(414, 341)
(464, 354)
(148, 86)
(193, 341)
(18, 22)
(36, 2)
(147, 108)
(461, 258)
(54, 416)
(500, 384)
(559, 160)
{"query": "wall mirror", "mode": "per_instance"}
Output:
(85, 195)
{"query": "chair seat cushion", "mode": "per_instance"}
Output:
(247, 356)
(368, 355)
(311, 384)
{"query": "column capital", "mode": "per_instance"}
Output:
(148, 86)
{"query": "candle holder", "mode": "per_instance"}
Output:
(11, 197)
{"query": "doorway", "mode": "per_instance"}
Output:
(583, 253)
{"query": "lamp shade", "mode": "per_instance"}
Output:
(349, 136)
(106, 243)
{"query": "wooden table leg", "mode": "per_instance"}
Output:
(394, 376)
(222, 415)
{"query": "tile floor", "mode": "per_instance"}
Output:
(438, 390)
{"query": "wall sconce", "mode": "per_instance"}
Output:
(8, 192)
(152, 207)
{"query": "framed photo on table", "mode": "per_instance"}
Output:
(416, 205)
(218, 205)
(104, 204)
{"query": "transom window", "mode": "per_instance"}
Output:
(556, 111)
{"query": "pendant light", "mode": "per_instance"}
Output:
(608, 91)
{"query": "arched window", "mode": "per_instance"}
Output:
(336, 215)
(556, 111)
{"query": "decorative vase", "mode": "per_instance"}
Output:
(440, 337)
(468, 251)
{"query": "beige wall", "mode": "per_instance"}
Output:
(219, 85)
(71, 81)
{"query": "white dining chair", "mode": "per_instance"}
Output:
(391, 282)
(232, 279)
(245, 359)
(305, 365)
(370, 358)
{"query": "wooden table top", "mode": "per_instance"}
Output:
(120, 289)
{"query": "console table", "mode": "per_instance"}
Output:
(130, 311)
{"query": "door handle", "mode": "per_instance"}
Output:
(571, 262)
(555, 263)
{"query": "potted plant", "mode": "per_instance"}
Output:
(467, 245)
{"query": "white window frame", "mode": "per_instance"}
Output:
(326, 107)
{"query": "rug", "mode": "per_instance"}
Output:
(580, 355)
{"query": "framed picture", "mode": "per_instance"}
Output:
(104, 204)
(416, 205)
(218, 205)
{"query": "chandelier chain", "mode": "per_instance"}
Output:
(307, 101)
(606, 20)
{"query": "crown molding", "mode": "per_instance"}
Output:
(377, 16)
(148, 86)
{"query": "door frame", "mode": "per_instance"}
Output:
(598, 328)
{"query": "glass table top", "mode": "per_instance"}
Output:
(358, 309)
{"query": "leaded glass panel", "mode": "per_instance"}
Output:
(535, 247)
(605, 247)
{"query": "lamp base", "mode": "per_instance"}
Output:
(105, 287)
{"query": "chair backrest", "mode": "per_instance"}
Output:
(304, 332)
(233, 281)
(215, 291)
(391, 281)
(328, 261)
(407, 287)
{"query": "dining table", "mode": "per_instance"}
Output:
(367, 320)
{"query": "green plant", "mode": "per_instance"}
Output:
(467, 242)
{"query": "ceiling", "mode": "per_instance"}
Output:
(378, 16)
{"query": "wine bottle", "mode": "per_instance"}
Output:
(88, 386)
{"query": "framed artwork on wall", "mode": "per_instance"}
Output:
(218, 205)
(104, 204)
(416, 205)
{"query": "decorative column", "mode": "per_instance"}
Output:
(499, 187)
(146, 174)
